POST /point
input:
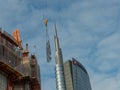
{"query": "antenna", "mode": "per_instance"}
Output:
(59, 69)
(34, 46)
(59, 58)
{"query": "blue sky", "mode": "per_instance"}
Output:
(88, 31)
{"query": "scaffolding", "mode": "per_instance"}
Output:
(22, 70)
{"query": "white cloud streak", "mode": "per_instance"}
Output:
(88, 31)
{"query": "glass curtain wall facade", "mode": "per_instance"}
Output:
(76, 76)
(68, 75)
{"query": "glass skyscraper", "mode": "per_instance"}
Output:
(76, 76)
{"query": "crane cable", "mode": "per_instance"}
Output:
(48, 48)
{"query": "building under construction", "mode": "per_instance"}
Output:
(18, 69)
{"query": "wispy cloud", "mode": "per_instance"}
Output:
(88, 31)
